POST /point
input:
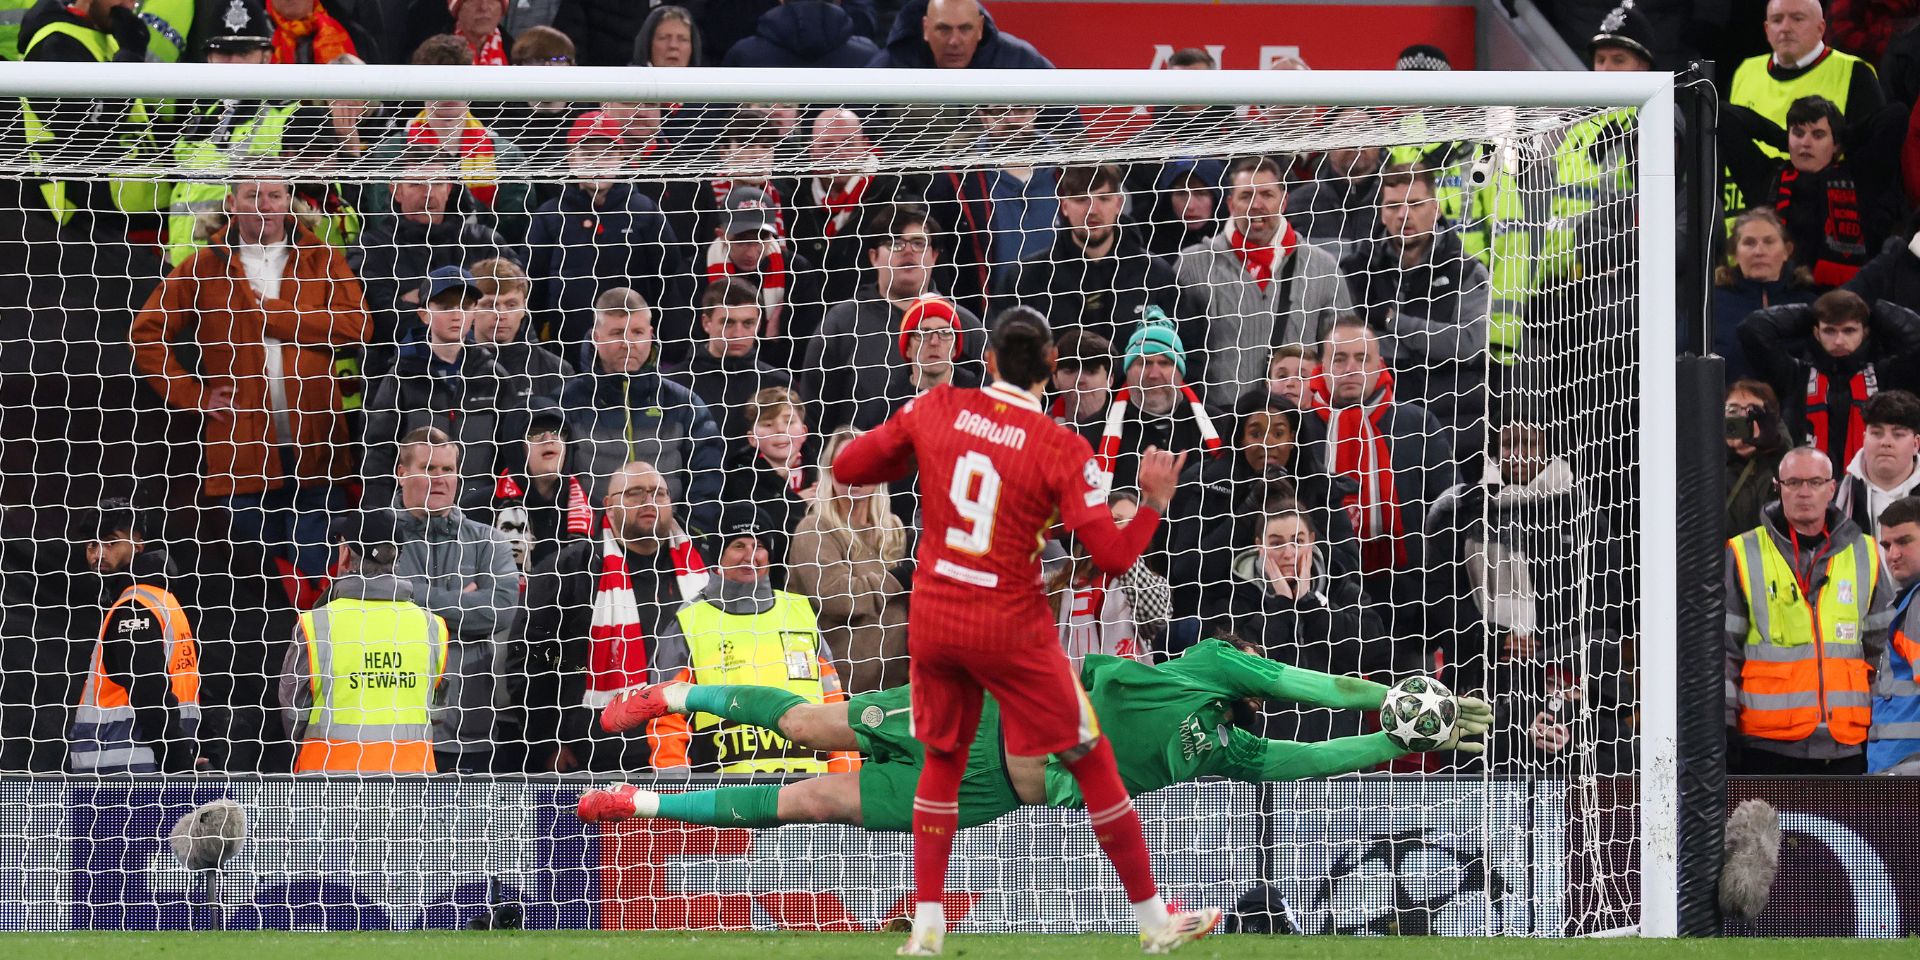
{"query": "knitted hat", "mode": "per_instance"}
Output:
(1155, 335)
(1423, 56)
(930, 305)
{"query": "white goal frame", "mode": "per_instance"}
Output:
(1651, 93)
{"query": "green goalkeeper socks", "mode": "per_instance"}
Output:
(759, 706)
(756, 806)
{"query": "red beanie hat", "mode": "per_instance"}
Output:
(930, 305)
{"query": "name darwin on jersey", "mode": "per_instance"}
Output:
(1003, 434)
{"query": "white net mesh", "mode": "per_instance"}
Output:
(1398, 346)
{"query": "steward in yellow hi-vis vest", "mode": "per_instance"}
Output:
(140, 709)
(360, 680)
(84, 134)
(740, 631)
(1806, 621)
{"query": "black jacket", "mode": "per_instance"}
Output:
(537, 368)
(727, 384)
(803, 33)
(535, 523)
(580, 250)
(1893, 276)
(1103, 296)
(395, 254)
(1433, 317)
(482, 405)
(906, 47)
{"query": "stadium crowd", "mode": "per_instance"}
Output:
(587, 419)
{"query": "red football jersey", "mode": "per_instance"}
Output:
(995, 473)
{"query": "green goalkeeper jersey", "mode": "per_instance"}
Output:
(1173, 722)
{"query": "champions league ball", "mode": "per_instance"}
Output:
(1418, 714)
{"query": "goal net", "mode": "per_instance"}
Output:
(594, 353)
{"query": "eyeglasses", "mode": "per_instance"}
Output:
(1805, 483)
(543, 436)
(560, 61)
(916, 244)
(638, 494)
(937, 333)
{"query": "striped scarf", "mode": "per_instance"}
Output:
(618, 655)
(510, 515)
(1361, 452)
(841, 198)
(479, 170)
(1109, 451)
(317, 39)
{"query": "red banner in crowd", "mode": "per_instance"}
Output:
(1241, 36)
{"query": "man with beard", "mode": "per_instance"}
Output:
(1260, 284)
(597, 613)
(1096, 276)
(1154, 408)
(140, 709)
(1418, 287)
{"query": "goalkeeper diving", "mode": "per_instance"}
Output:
(1169, 723)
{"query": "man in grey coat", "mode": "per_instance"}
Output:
(1262, 285)
(462, 570)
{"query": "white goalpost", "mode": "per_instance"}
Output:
(1416, 445)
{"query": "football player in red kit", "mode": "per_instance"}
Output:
(995, 474)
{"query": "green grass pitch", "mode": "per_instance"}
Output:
(593, 945)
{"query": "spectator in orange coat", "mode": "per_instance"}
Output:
(267, 304)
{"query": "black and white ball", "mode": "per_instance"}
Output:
(1419, 714)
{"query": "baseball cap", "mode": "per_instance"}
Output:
(746, 211)
(545, 419)
(373, 533)
(444, 280)
(595, 123)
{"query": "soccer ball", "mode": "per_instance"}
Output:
(1419, 714)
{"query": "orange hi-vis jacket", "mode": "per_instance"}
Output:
(103, 738)
(1810, 637)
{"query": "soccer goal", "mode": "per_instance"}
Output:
(1413, 331)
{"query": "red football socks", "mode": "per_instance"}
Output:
(936, 817)
(1115, 823)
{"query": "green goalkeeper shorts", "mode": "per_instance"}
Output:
(883, 724)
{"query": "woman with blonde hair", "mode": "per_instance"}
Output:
(1760, 272)
(848, 556)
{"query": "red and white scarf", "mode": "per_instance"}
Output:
(479, 172)
(491, 53)
(617, 651)
(771, 277)
(1362, 453)
(1263, 263)
(1109, 451)
(842, 199)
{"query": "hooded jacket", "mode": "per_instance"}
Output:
(440, 556)
(1861, 501)
(1435, 319)
(1331, 628)
(803, 33)
(614, 418)
(905, 46)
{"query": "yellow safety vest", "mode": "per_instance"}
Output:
(1758, 91)
(1582, 183)
(374, 666)
(129, 195)
(1805, 664)
(778, 648)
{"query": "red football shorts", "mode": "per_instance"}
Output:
(1042, 708)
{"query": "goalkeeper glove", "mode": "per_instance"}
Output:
(1472, 718)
